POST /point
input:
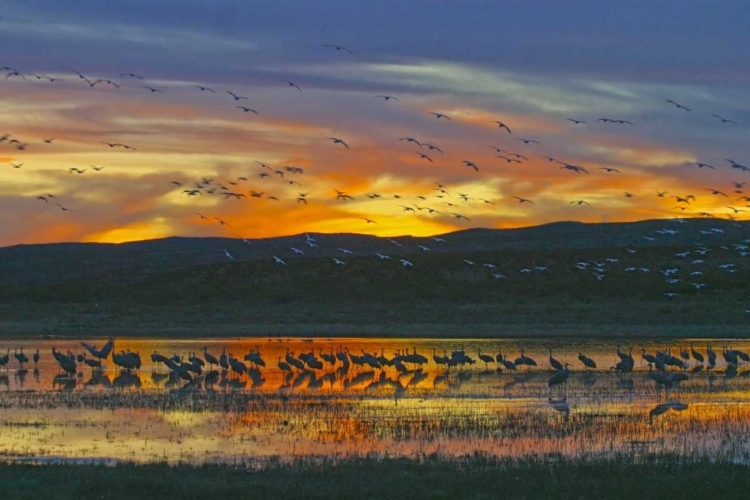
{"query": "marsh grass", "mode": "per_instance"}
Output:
(477, 476)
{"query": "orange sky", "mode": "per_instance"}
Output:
(186, 136)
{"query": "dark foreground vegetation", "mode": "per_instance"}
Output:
(434, 478)
(188, 287)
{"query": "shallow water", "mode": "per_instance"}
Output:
(148, 415)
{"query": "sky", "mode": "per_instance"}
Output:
(530, 64)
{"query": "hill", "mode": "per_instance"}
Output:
(483, 281)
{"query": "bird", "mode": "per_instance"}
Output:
(679, 106)
(502, 125)
(529, 141)
(724, 120)
(439, 115)
(336, 140)
(702, 165)
(471, 164)
(337, 47)
(279, 261)
(235, 96)
(553, 362)
(577, 122)
(410, 139)
(386, 97)
(522, 200)
(246, 109)
(227, 254)
(588, 363)
(204, 89)
(152, 89)
(369, 221)
(292, 84)
(560, 376)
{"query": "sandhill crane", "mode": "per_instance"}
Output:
(237, 366)
(103, 353)
(283, 366)
(524, 360)
(648, 358)
(224, 360)
(210, 358)
(36, 358)
(623, 356)
(560, 377)
(661, 379)
(157, 358)
(328, 358)
(684, 354)
(711, 357)
(588, 363)
(553, 362)
(696, 355)
(439, 360)
(21, 357)
(729, 356)
(486, 358)
(294, 361)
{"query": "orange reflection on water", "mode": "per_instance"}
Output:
(150, 415)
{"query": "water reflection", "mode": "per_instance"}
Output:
(225, 401)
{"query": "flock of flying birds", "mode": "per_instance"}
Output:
(443, 201)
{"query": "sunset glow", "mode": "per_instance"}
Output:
(186, 136)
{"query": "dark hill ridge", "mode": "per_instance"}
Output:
(60, 263)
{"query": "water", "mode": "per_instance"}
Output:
(269, 415)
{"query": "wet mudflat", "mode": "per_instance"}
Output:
(436, 397)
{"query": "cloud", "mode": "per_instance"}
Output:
(532, 75)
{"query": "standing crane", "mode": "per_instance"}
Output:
(553, 362)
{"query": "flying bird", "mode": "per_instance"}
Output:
(152, 89)
(529, 141)
(501, 125)
(292, 84)
(246, 109)
(471, 164)
(702, 165)
(337, 47)
(410, 139)
(336, 140)
(235, 96)
(577, 122)
(386, 97)
(204, 89)
(439, 115)
(522, 200)
(679, 106)
(724, 120)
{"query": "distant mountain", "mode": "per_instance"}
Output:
(68, 263)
